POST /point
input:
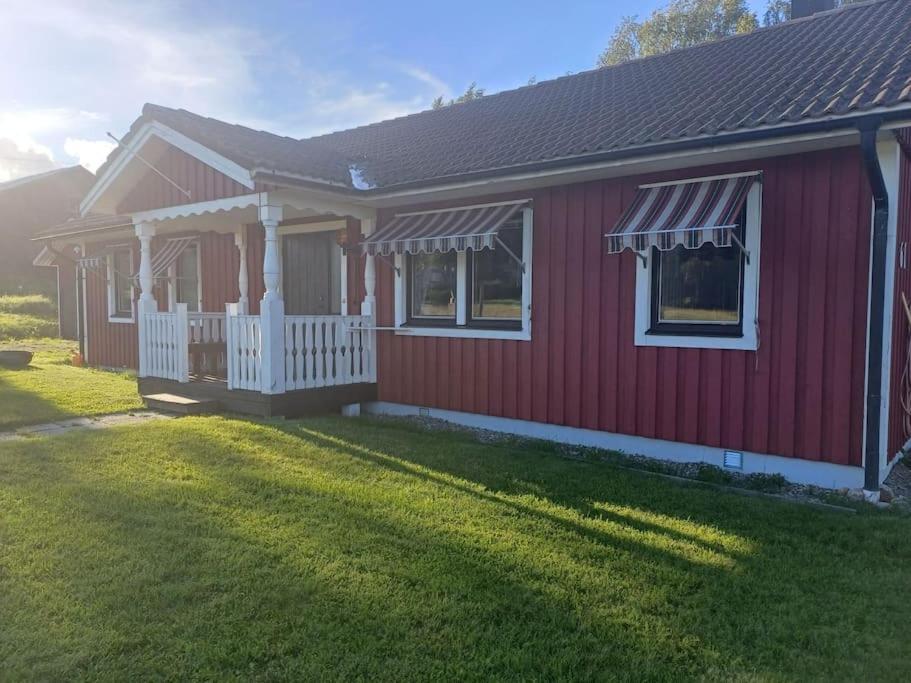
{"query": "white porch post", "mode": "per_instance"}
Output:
(147, 304)
(272, 307)
(243, 301)
(368, 307)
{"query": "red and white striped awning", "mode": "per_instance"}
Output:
(168, 254)
(468, 227)
(688, 213)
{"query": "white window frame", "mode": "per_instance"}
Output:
(461, 330)
(172, 279)
(112, 292)
(749, 339)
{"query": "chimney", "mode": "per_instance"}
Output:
(804, 8)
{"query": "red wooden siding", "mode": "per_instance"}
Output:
(202, 181)
(116, 344)
(111, 345)
(897, 433)
(800, 395)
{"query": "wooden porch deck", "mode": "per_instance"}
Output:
(296, 403)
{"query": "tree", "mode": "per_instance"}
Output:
(779, 11)
(473, 92)
(681, 24)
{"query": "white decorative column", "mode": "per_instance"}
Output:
(243, 301)
(147, 304)
(272, 307)
(368, 306)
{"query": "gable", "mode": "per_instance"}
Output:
(203, 182)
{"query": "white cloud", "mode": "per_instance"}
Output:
(16, 162)
(438, 86)
(102, 59)
(89, 153)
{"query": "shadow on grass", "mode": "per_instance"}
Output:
(353, 549)
(246, 574)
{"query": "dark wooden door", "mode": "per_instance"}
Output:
(308, 268)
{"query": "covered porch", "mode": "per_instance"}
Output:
(264, 356)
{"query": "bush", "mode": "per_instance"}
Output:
(28, 304)
(22, 326)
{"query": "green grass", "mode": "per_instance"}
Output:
(23, 326)
(352, 549)
(51, 389)
(28, 304)
(27, 316)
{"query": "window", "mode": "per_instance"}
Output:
(472, 293)
(120, 285)
(433, 281)
(705, 297)
(496, 280)
(698, 291)
(186, 278)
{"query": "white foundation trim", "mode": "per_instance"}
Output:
(795, 470)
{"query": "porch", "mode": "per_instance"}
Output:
(269, 362)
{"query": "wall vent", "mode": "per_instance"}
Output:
(733, 460)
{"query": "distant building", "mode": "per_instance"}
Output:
(26, 206)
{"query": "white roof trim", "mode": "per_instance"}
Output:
(212, 206)
(180, 141)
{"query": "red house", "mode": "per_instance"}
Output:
(698, 256)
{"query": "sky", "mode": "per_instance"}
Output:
(74, 70)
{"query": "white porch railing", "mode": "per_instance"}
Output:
(163, 344)
(245, 345)
(207, 328)
(328, 350)
(315, 351)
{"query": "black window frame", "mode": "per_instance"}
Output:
(484, 323)
(686, 329)
(422, 321)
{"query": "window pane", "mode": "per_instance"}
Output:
(123, 295)
(700, 285)
(188, 279)
(497, 280)
(433, 285)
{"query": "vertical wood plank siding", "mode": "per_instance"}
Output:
(202, 181)
(897, 435)
(800, 395)
(116, 344)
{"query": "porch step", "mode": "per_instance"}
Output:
(182, 405)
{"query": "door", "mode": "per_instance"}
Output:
(310, 274)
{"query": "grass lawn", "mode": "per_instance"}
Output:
(27, 316)
(52, 389)
(355, 549)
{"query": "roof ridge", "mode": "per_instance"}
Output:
(602, 69)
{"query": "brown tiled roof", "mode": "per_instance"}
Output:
(845, 62)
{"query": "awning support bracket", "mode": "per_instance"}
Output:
(642, 257)
(742, 248)
(511, 254)
(391, 264)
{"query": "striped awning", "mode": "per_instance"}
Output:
(689, 214)
(168, 254)
(468, 227)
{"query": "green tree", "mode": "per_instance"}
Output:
(779, 11)
(681, 24)
(473, 92)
